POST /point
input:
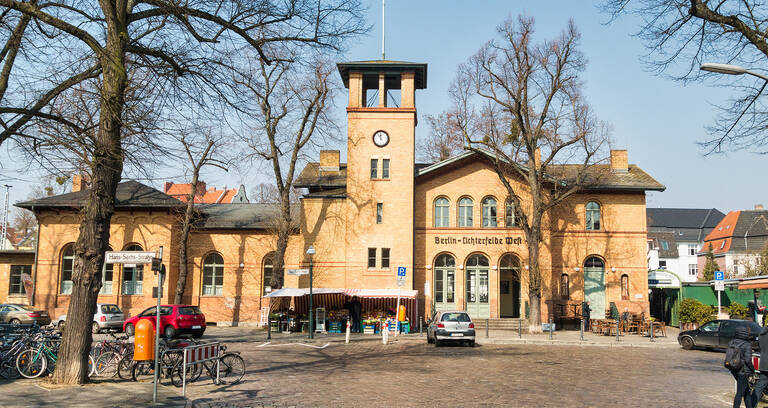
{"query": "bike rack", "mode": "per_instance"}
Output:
(199, 354)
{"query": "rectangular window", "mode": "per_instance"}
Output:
(662, 264)
(385, 168)
(664, 245)
(106, 280)
(371, 257)
(374, 168)
(16, 286)
(385, 257)
(692, 248)
(693, 269)
(379, 212)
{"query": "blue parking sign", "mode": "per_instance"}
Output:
(719, 275)
(400, 271)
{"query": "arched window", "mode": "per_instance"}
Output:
(442, 207)
(266, 277)
(510, 263)
(593, 216)
(213, 275)
(565, 290)
(594, 262)
(445, 273)
(624, 287)
(509, 214)
(106, 280)
(489, 212)
(477, 279)
(133, 275)
(67, 265)
(465, 212)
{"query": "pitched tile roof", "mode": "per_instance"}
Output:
(683, 217)
(129, 194)
(204, 194)
(242, 216)
(740, 231)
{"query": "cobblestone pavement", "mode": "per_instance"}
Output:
(411, 373)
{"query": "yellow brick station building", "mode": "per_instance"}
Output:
(448, 224)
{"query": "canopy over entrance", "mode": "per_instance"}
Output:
(363, 293)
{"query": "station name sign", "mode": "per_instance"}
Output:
(478, 240)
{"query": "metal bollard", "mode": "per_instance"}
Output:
(486, 328)
(346, 340)
(581, 330)
(617, 330)
(269, 328)
(519, 328)
(652, 331)
(421, 320)
(550, 328)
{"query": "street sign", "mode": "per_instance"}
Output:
(719, 286)
(401, 272)
(298, 272)
(719, 275)
(128, 257)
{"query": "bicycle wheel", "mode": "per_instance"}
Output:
(231, 368)
(125, 367)
(31, 363)
(91, 366)
(178, 371)
(8, 370)
(106, 364)
(143, 371)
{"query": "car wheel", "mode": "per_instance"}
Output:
(129, 329)
(429, 339)
(471, 343)
(169, 332)
(15, 321)
(687, 343)
(95, 328)
(198, 334)
(438, 343)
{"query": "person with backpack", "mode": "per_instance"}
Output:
(762, 379)
(738, 360)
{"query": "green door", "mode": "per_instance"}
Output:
(594, 287)
(476, 284)
(445, 283)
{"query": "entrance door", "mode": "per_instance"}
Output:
(477, 287)
(509, 286)
(445, 278)
(594, 286)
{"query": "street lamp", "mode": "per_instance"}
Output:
(310, 252)
(729, 70)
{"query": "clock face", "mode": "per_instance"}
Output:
(380, 138)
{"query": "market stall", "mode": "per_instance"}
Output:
(379, 306)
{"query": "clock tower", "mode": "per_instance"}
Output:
(381, 123)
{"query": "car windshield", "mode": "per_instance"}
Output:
(25, 307)
(190, 310)
(455, 317)
(110, 309)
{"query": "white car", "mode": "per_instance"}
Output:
(107, 316)
(451, 326)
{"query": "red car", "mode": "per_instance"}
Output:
(174, 320)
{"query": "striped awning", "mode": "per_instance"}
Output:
(363, 293)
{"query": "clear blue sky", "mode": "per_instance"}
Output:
(659, 121)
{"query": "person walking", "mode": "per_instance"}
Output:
(355, 311)
(741, 349)
(585, 311)
(762, 379)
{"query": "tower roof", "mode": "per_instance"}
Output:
(385, 66)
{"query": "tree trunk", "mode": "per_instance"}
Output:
(534, 276)
(186, 226)
(107, 168)
(283, 233)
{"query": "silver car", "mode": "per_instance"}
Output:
(107, 316)
(453, 325)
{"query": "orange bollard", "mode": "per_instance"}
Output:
(144, 341)
(401, 314)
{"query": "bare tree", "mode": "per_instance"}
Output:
(291, 109)
(444, 140)
(181, 47)
(515, 100)
(198, 157)
(682, 34)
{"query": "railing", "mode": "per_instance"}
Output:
(132, 287)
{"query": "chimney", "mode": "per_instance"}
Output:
(537, 157)
(759, 207)
(79, 183)
(329, 160)
(619, 161)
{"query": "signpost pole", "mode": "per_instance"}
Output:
(160, 276)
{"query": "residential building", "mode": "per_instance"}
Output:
(675, 237)
(205, 194)
(737, 241)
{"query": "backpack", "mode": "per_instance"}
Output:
(733, 360)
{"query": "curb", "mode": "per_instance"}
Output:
(577, 343)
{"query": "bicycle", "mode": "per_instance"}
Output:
(171, 352)
(109, 354)
(231, 369)
(33, 362)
